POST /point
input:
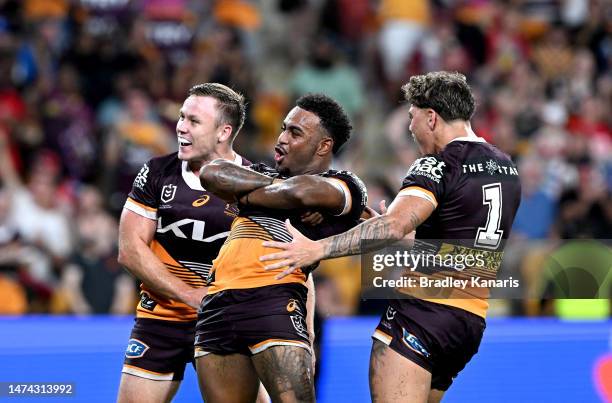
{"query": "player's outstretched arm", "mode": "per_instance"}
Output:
(302, 191)
(230, 181)
(404, 215)
(135, 235)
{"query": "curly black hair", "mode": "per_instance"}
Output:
(333, 118)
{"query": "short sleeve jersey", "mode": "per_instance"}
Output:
(475, 190)
(238, 265)
(192, 224)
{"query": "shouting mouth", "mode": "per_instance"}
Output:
(279, 154)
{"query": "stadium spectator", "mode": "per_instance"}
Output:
(92, 282)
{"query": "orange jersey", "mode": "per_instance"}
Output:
(238, 265)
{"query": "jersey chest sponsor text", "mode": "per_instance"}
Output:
(188, 228)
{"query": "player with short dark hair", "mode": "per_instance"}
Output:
(251, 327)
(171, 229)
(463, 190)
(332, 118)
(230, 104)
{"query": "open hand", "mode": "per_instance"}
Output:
(300, 252)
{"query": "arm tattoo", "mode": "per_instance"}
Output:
(378, 231)
(415, 221)
(371, 235)
(230, 179)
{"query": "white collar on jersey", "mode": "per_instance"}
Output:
(192, 179)
(475, 139)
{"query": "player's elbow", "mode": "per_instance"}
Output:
(126, 250)
(210, 174)
(123, 257)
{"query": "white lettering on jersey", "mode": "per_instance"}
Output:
(429, 167)
(141, 179)
(492, 167)
(197, 230)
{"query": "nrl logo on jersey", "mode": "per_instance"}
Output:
(429, 167)
(168, 193)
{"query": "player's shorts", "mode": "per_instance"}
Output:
(159, 349)
(248, 321)
(442, 339)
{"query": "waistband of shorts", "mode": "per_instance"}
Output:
(470, 316)
(160, 323)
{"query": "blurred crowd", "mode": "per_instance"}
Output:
(90, 90)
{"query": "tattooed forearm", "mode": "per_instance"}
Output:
(230, 181)
(373, 234)
(379, 232)
(415, 221)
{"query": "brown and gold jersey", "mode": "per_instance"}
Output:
(192, 224)
(475, 189)
(238, 265)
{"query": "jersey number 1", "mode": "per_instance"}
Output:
(490, 235)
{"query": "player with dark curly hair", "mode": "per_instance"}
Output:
(250, 326)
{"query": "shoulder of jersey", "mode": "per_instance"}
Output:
(346, 174)
(164, 161)
(451, 153)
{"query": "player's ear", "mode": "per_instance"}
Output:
(225, 133)
(326, 146)
(432, 119)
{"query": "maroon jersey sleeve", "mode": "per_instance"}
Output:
(143, 198)
(355, 193)
(427, 178)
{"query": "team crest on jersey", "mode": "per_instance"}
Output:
(430, 167)
(141, 179)
(231, 209)
(168, 193)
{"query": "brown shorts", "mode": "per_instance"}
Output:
(249, 321)
(159, 349)
(440, 338)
